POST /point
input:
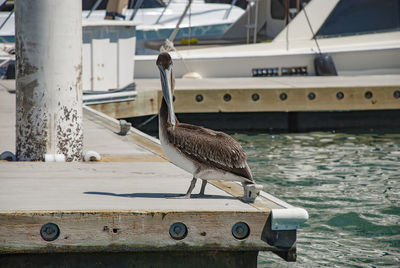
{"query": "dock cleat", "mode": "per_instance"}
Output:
(251, 191)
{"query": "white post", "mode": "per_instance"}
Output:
(48, 79)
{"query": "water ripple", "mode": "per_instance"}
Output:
(350, 185)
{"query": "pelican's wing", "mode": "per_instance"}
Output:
(210, 147)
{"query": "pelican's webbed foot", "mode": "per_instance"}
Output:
(190, 190)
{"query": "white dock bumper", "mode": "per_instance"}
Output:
(288, 218)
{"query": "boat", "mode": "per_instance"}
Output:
(156, 20)
(361, 37)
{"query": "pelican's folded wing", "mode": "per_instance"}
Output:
(210, 147)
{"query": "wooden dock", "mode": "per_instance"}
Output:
(122, 210)
(301, 103)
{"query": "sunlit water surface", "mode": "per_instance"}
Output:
(348, 183)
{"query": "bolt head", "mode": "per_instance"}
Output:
(368, 95)
(255, 97)
(283, 96)
(227, 97)
(199, 98)
(240, 230)
(178, 231)
(50, 231)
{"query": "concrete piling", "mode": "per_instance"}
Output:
(48, 79)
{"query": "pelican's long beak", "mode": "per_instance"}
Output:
(165, 75)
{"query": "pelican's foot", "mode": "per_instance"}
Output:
(189, 191)
(251, 191)
(203, 188)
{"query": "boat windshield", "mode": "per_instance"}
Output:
(361, 17)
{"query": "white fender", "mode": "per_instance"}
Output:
(288, 218)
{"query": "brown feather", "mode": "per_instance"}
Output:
(210, 147)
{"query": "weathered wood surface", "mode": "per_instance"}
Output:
(117, 230)
(241, 90)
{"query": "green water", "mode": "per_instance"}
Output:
(348, 183)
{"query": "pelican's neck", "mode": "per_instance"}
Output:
(163, 114)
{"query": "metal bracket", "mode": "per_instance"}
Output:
(251, 191)
(124, 127)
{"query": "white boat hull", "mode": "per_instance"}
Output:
(361, 53)
(356, 58)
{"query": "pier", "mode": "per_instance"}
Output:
(83, 182)
(301, 103)
(122, 209)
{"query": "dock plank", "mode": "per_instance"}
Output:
(128, 231)
(104, 186)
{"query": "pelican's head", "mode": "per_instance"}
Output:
(164, 64)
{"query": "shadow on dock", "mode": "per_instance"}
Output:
(161, 195)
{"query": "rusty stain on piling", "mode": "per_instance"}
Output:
(70, 137)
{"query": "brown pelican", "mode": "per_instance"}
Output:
(205, 153)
